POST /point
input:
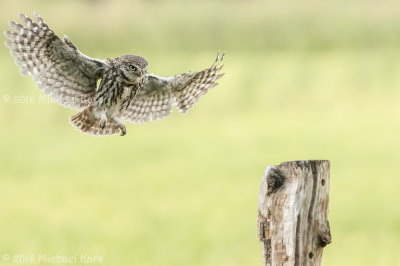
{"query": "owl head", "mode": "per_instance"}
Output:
(133, 67)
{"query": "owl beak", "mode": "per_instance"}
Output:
(141, 74)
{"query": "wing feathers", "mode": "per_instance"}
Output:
(56, 65)
(199, 85)
(151, 107)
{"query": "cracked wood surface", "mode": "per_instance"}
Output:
(293, 222)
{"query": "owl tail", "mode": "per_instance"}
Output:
(87, 123)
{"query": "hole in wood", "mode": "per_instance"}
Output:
(275, 180)
(323, 182)
(310, 255)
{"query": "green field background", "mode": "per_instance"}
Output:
(304, 80)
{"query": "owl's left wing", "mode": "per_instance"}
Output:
(59, 68)
(156, 99)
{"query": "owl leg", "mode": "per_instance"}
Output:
(103, 120)
(120, 125)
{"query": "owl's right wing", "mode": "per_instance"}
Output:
(155, 101)
(58, 67)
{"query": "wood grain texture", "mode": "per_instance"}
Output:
(293, 222)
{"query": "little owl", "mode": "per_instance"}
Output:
(126, 91)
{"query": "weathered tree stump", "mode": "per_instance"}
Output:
(293, 222)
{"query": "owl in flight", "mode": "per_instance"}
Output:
(126, 90)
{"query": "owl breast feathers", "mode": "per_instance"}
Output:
(126, 91)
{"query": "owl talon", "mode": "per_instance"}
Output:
(103, 120)
(102, 124)
(123, 129)
(121, 125)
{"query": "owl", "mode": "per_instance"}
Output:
(126, 91)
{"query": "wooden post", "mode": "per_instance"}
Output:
(293, 222)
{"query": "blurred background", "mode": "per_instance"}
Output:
(304, 80)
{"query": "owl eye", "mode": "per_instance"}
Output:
(132, 67)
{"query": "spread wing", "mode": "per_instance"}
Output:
(58, 67)
(155, 101)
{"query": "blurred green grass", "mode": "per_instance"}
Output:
(304, 81)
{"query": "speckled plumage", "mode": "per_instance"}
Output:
(126, 90)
